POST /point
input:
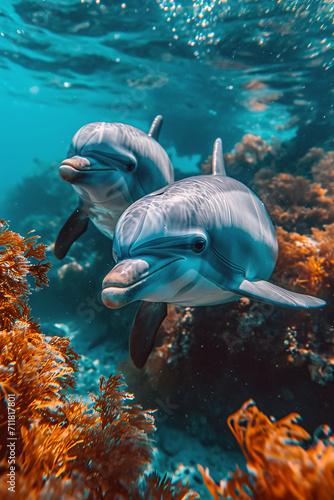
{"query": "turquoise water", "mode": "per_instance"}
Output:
(67, 63)
(221, 68)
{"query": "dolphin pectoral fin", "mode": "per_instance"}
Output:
(218, 166)
(148, 319)
(267, 292)
(74, 227)
(156, 127)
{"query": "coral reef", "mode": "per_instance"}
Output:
(302, 208)
(306, 263)
(208, 360)
(298, 202)
(251, 152)
(15, 266)
(294, 202)
(282, 460)
(56, 446)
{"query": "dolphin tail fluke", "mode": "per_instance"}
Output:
(74, 227)
(156, 127)
(218, 166)
(148, 319)
(267, 292)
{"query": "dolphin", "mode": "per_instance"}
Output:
(204, 240)
(110, 165)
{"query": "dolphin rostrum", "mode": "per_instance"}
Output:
(203, 240)
(110, 165)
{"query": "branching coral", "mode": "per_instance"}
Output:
(249, 155)
(252, 149)
(15, 266)
(63, 448)
(306, 263)
(294, 202)
(319, 164)
(280, 466)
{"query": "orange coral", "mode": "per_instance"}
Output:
(306, 262)
(279, 466)
(63, 447)
(252, 152)
(321, 164)
(294, 202)
(15, 266)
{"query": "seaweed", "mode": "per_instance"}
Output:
(283, 462)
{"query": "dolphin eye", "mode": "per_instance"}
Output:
(199, 245)
(131, 166)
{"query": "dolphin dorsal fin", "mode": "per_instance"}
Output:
(156, 127)
(218, 166)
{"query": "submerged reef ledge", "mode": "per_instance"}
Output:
(52, 445)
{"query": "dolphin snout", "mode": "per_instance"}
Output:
(78, 162)
(71, 168)
(122, 284)
(126, 273)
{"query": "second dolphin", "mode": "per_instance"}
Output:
(110, 165)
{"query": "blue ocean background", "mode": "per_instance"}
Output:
(219, 68)
(68, 63)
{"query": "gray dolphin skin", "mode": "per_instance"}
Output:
(110, 165)
(203, 240)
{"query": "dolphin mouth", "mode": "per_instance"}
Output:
(73, 170)
(130, 272)
(126, 280)
(82, 167)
